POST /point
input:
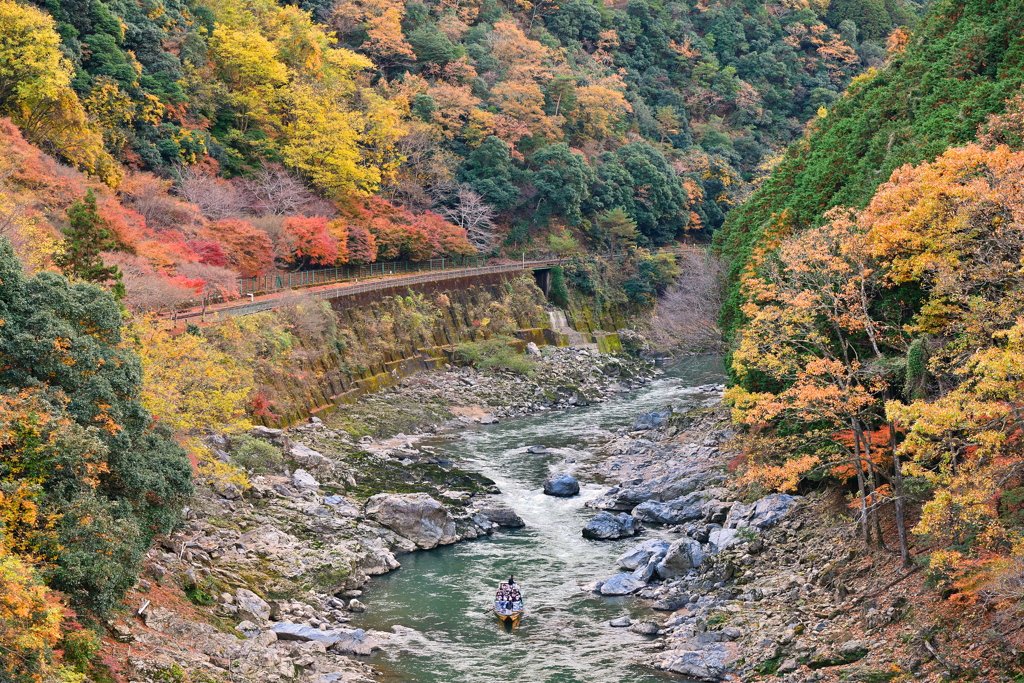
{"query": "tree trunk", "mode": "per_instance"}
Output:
(864, 527)
(897, 485)
(873, 480)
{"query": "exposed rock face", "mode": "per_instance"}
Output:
(684, 509)
(562, 486)
(606, 526)
(416, 516)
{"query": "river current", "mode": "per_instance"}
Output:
(438, 602)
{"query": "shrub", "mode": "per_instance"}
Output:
(494, 354)
(256, 455)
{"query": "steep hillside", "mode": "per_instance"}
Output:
(876, 310)
(939, 84)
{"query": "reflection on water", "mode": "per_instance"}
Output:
(444, 595)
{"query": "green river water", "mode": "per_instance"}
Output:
(438, 602)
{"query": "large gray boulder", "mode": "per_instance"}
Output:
(562, 486)
(624, 498)
(416, 516)
(605, 526)
(621, 584)
(302, 633)
(251, 606)
(682, 556)
(763, 514)
(355, 642)
(706, 662)
(639, 555)
(677, 511)
(501, 516)
(651, 420)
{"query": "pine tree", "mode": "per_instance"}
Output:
(86, 236)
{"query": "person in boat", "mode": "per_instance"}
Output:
(511, 580)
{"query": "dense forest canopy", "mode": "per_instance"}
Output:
(404, 124)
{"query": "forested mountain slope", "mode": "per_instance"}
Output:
(938, 86)
(534, 118)
(877, 310)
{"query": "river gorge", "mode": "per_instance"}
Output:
(438, 602)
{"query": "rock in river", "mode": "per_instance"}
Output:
(639, 555)
(561, 485)
(537, 450)
(606, 526)
(621, 584)
(416, 516)
(502, 516)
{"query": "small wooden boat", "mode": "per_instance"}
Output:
(509, 612)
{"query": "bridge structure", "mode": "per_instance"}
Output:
(394, 278)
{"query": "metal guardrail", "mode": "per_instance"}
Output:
(384, 281)
(277, 282)
(343, 290)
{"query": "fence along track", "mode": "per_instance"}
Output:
(386, 282)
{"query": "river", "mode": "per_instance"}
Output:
(439, 599)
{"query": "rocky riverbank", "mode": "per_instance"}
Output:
(746, 587)
(263, 579)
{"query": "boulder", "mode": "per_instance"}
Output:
(629, 496)
(269, 433)
(606, 526)
(621, 622)
(248, 629)
(562, 486)
(677, 511)
(645, 628)
(533, 350)
(537, 450)
(355, 642)
(647, 572)
(763, 514)
(307, 457)
(770, 509)
(682, 556)
(304, 481)
(711, 662)
(621, 584)
(488, 420)
(302, 633)
(639, 555)
(671, 604)
(502, 516)
(651, 420)
(251, 606)
(416, 516)
(720, 539)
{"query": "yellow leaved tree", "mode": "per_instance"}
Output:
(194, 388)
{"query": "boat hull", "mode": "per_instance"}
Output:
(509, 617)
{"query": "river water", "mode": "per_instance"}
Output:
(438, 602)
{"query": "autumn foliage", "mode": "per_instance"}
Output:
(887, 345)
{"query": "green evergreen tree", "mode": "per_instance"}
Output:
(86, 236)
(61, 343)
